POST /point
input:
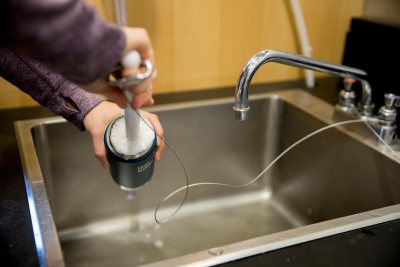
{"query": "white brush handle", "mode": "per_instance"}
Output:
(131, 60)
(132, 123)
(132, 119)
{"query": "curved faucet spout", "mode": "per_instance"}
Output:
(241, 107)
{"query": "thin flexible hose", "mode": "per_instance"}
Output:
(187, 186)
(380, 137)
(183, 168)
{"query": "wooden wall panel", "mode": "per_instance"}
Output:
(11, 97)
(205, 43)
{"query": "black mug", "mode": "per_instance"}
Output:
(129, 173)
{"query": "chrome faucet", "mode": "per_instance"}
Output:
(242, 107)
(385, 124)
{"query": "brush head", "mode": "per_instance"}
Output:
(130, 148)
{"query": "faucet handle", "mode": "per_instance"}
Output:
(348, 83)
(392, 100)
(388, 113)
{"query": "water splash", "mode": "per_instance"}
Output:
(130, 195)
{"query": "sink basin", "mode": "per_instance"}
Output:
(335, 181)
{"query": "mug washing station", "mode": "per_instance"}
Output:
(338, 180)
(130, 140)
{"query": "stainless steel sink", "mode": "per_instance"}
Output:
(334, 182)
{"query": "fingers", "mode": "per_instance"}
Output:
(96, 122)
(159, 130)
(100, 152)
(138, 39)
(142, 100)
(142, 93)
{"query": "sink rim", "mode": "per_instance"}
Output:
(47, 240)
(270, 242)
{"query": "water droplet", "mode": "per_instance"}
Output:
(147, 235)
(215, 251)
(130, 195)
(159, 243)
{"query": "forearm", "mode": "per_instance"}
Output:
(67, 36)
(48, 88)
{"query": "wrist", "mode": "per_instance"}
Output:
(97, 119)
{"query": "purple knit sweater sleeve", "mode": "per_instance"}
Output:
(48, 88)
(65, 35)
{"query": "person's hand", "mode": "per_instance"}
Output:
(136, 39)
(97, 120)
(155, 122)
